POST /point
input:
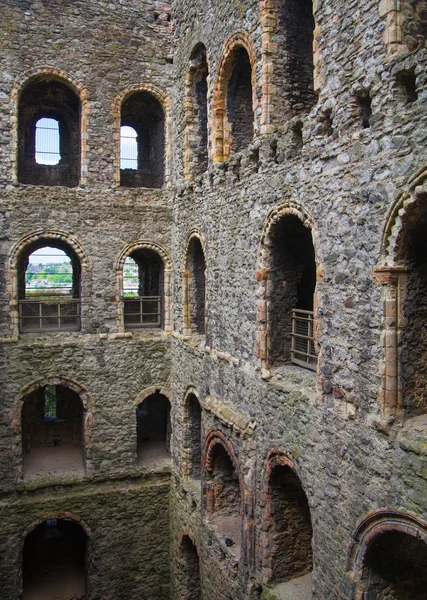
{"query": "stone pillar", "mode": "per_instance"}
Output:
(394, 280)
(393, 37)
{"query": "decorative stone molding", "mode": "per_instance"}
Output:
(116, 107)
(82, 93)
(153, 389)
(221, 129)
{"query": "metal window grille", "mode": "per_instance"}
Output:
(49, 315)
(142, 311)
(47, 150)
(302, 339)
(128, 148)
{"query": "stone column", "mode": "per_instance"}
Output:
(394, 280)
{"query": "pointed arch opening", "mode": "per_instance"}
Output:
(142, 161)
(49, 145)
(153, 430)
(54, 561)
(52, 430)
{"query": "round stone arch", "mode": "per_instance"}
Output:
(44, 235)
(391, 273)
(276, 458)
(141, 397)
(88, 412)
(153, 389)
(367, 531)
(116, 107)
(290, 207)
(221, 130)
(214, 437)
(63, 77)
(167, 264)
(187, 280)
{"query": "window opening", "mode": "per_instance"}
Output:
(195, 436)
(291, 295)
(49, 286)
(128, 148)
(49, 148)
(143, 290)
(47, 142)
(196, 288)
(365, 109)
(239, 101)
(52, 432)
(197, 112)
(153, 430)
(50, 402)
(189, 573)
(406, 82)
(142, 141)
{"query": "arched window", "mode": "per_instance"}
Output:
(290, 531)
(291, 291)
(49, 133)
(196, 132)
(223, 497)
(195, 289)
(142, 161)
(49, 287)
(143, 290)
(54, 561)
(188, 572)
(395, 566)
(153, 429)
(47, 142)
(194, 435)
(240, 114)
(128, 148)
(52, 432)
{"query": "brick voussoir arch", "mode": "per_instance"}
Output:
(159, 388)
(214, 437)
(62, 76)
(116, 107)
(239, 39)
(191, 391)
(369, 528)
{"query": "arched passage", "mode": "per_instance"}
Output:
(188, 575)
(222, 491)
(52, 430)
(54, 561)
(388, 557)
(153, 429)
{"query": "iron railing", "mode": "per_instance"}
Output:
(302, 339)
(142, 311)
(49, 314)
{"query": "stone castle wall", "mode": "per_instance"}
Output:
(343, 430)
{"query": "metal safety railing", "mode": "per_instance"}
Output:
(49, 314)
(142, 311)
(302, 339)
